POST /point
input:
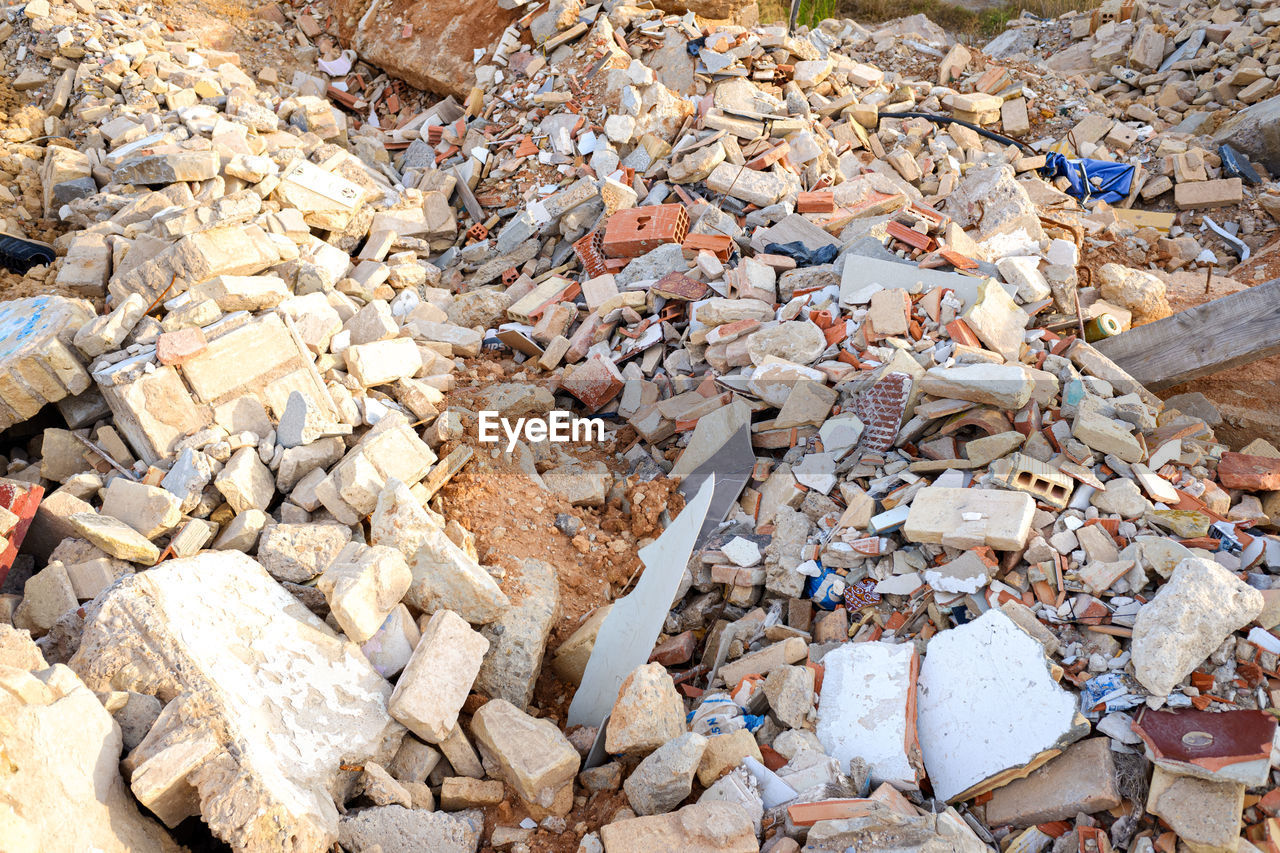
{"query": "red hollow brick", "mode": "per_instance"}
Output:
(632, 232)
(590, 251)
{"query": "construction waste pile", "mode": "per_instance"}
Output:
(860, 539)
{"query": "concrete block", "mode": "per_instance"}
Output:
(45, 596)
(262, 713)
(63, 788)
(1006, 386)
(362, 585)
(714, 827)
(1202, 195)
(414, 760)
(518, 637)
(245, 482)
(535, 758)
(1101, 433)
(462, 792)
(438, 677)
(298, 552)
(115, 537)
(383, 361)
(648, 712)
(1000, 519)
(262, 359)
(90, 577)
(1082, 779)
(242, 292)
(87, 265)
(1205, 815)
(664, 779)
(444, 576)
(389, 451)
(725, 752)
(150, 510)
(392, 645)
(764, 661)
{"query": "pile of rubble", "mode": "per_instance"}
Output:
(922, 566)
(1184, 93)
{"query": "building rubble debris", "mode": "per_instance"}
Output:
(873, 547)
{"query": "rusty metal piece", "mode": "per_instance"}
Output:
(1076, 232)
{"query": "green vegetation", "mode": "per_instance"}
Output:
(955, 19)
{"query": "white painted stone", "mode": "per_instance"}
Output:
(988, 705)
(867, 710)
(741, 552)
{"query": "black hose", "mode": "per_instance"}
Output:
(937, 119)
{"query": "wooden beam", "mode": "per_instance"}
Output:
(1235, 329)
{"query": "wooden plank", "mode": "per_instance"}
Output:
(1235, 329)
(468, 198)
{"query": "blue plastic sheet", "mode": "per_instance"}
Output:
(1110, 690)
(1091, 179)
(826, 590)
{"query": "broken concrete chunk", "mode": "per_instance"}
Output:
(713, 827)
(967, 518)
(396, 828)
(1006, 386)
(299, 552)
(150, 510)
(665, 778)
(115, 537)
(647, 714)
(1189, 617)
(244, 723)
(536, 759)
(1205, 815)
(438, 677)
(63, 789)
(1082, 779)
(518, 638)
(45, 596)
(444, 576)
(362, 585)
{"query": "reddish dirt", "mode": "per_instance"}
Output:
(595, 813)
(513, 520)
(240, 27)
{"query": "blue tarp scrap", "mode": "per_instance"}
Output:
(1091, 179)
